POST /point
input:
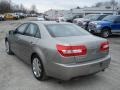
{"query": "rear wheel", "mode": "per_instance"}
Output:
(105, 33)
(38, 69)
(8, 48)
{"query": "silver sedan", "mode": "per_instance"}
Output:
(59, 50)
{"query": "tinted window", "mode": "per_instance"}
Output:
(88, 16)
(78, 16)
(22, 28)
(31, 30)
(118, 19)
(101, 17)
(38, 34)
(109, 18)
(64, 30)
(94, 17)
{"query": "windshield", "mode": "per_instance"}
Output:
(68, 16)
(101, 17)
(88, 16)
(94, 17)
(109, 18)
(41, 16)
(65, 30)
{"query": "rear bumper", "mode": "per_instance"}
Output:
(66, 72)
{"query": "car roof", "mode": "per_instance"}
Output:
(49, 22)
(113, 15)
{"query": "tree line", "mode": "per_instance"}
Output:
(6, 6)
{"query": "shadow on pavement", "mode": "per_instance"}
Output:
(82, 80)
(115, 36)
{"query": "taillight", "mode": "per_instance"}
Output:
(104, 47)
(67, 51)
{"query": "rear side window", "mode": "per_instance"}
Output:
(22, 28)
(37, 35)
(65, 30)
(32, 30)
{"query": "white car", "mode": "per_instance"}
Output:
(76, 21)
(61, 19)
(40, 18)
(1, 17)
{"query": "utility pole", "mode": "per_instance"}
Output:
(113, 6)
(9, 2)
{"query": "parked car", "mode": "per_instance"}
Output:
(40, 18)
(60, 50)
(1, 17)
(16, 16)
(10, 16)
(34, 15)
(83, 22)
(76, 21)
(106, 27)
(21, 15)
(60, 19)
(70, 18)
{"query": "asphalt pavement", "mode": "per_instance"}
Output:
(17, 75)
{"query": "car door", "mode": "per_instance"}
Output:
(116, 25)
(29, 41)
(16, 38)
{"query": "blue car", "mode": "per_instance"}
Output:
(107, 26)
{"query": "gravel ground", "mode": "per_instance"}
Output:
(16, 75)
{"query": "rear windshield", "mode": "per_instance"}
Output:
(88, 16)
(65, 30)
(95, 17)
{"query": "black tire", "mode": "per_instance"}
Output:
(105, 33)
(42, 75)
(8, 48)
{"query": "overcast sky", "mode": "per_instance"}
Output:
(43, 5)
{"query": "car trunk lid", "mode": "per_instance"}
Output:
(92, 44)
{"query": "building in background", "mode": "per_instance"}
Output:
(53, 14)
(103, 9)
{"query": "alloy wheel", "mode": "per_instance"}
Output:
(37, 67)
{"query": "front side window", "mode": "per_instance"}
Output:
(37, 35)
(65, 30)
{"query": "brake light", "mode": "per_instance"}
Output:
(67, 51)
(104, 47)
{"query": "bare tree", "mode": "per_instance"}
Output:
(98, 4)
(33, 9)
(77, 7)
(5, 6)
(114, 4)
